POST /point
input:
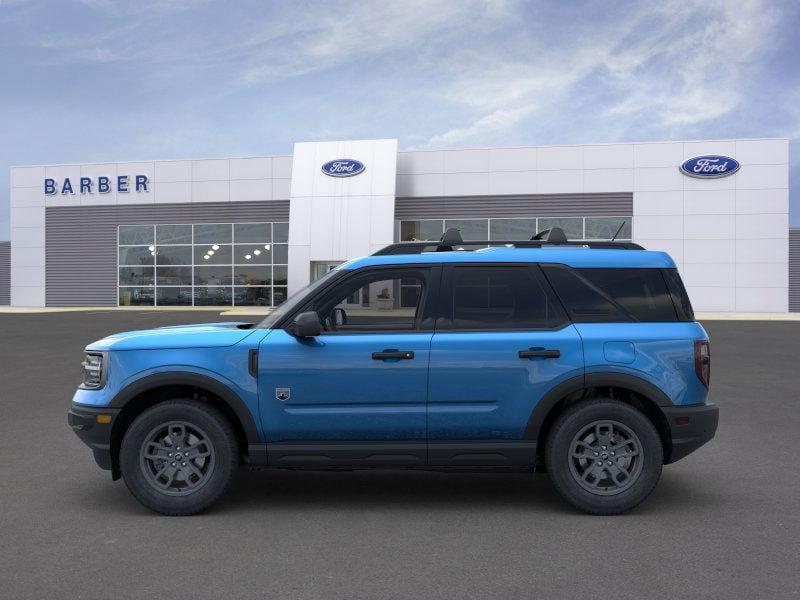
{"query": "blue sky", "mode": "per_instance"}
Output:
(98, 80)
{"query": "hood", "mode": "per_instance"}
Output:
(203, 335)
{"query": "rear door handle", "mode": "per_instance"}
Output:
(539, 353)
(393, 355)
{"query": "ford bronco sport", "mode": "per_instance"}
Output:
(582, 359)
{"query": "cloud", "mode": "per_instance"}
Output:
(672, 64)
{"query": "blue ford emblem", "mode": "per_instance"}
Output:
(343, 167)
(710, 166)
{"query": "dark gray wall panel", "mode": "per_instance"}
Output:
(794, 270)
(5, 273)
(550, 205)
(82, 241)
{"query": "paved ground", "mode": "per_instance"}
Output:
(723, 523)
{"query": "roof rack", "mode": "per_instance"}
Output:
(452, 240)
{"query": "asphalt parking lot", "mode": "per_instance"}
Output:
(723, 523)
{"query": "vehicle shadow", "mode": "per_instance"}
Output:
(354, 491)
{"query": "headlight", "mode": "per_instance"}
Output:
(94, 371)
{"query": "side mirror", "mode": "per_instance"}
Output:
(306, 325)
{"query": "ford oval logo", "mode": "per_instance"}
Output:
(710, 166)
(343, 167)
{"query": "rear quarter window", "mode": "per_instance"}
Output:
(613, 295)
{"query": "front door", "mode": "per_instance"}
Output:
(502, 341)
(355, 395)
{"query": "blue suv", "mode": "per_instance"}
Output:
(576, 358)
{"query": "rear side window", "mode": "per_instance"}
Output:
(585, 302)
(603, 295)
(493, 298)
(642, 292)
(679, 296)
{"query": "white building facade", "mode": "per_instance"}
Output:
(249, 231)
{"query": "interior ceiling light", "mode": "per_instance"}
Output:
(151, 248)
(206, 257)
(256, 252)
(266, 246)
(215, 247)
(211, 253)
(247, 257)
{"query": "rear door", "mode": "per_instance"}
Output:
(502, 341)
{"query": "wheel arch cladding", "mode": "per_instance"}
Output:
(632, 390)
(154, 389)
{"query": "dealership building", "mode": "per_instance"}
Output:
(249, 231)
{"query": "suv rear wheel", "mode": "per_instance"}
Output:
(604, 456)
(179, 457)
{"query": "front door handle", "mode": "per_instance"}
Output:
(393, 355)
(539, 353)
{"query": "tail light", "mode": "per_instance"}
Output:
(702, 361)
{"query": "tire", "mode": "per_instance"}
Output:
(179, 457)
(589, 433)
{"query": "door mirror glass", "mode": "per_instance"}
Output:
(306, 325)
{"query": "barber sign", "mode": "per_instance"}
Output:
(343, 167)
(711, 166)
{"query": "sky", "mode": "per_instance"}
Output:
(95, 80)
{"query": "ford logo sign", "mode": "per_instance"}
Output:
(710, 166)
(343, 167)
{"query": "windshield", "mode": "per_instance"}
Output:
(295, 300)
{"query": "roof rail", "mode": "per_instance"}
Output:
(451, 240)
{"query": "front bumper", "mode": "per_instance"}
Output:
(89, 425)
(690, 427)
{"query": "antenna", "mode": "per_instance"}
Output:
(621, 225)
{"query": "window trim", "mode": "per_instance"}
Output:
(425, 313)
(445, 325)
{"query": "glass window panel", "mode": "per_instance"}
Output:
(174, 255)
(134, 235)
(135, 255)
(252, 275)
(278, 295)
(280, 254)
(173, 234)
(174, 296)
(212, 233)
(471, 229)
(212, 296)
(280, 232)
(422, 231)
(220, 256)
(204, 275)
(251, 296)
(512, 229)
(251, 233)
(279, 275)
(251, 254)
(572, 226)
(174, 276)
(136, 275)
(604, 228)
(501, 298)
(135, 296)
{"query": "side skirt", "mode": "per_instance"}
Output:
(438, 455)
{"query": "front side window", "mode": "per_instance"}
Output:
(377, 301)
(499, 298)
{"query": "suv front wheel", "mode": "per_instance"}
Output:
(179, 457)
(603, 456)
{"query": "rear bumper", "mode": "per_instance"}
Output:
(690, 427)
(96, 435)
